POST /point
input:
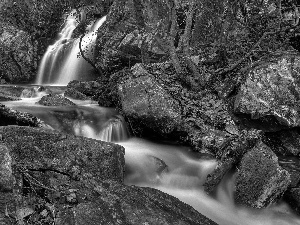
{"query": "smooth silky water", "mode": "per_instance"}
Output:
(186, 171)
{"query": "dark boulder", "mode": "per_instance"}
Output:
(269, 97)
(260, 180)
(147, 105)
(75, 180)
(73, 156)
(73, 93)
(12, 117)
(55, 100)
(284, 142)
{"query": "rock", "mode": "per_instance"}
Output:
(145, 102)
(17, 55)
(73, 93)
(6, 174)
(123, 43)
(80, 180)
(88, 88)
(292, 196)
(284, 143)
(55, 100)
(269, 97)
(291, 164)
(260, 180)
(214, 178)
(12, 117)
(71, 155)
(10, 93)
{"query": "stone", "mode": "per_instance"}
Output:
(214, 178)
(260, 180)
(81, 181)
(66, 153)
(9, 116)
(6, 174)
(292, 196)
(145, 102)
(55, 100)
(73, 93)
(88, 88)
(269, 98)
(123, 43)
(17, 56)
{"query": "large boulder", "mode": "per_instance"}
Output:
(260, 180)
(147, 103)
(270, 95)
(56, 178)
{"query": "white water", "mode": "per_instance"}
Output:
(62, 62)
(186, 171)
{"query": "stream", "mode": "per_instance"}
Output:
(181, 172)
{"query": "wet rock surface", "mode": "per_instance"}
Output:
(55, 100)
(269, 97)
(9, 116)
(260, 180)
(76, 180)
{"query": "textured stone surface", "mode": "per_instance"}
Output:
(124, 42)
(37, 148)
(6, 174)
(73, 93)
(79, 179)
(269, 98)
(12, 117)
(17, 56)
(55, 100)
(260, 180)
(145, 102)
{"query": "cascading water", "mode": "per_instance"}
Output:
(62, 61)
(171, 169)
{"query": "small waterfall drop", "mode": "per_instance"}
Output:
(62, 62)
(114, 130)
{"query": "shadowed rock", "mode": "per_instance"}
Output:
(260, 180)
(55, 100)
(72, 180)
(12, 117)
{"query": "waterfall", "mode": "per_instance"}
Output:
(114, 130)
(62, 62)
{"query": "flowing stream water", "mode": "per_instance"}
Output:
(170, 168)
